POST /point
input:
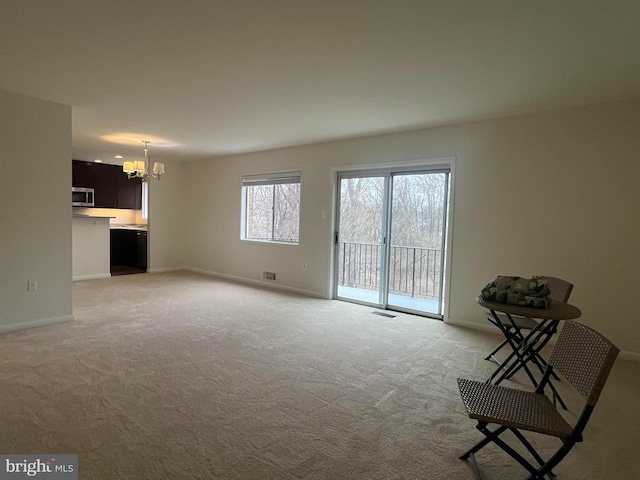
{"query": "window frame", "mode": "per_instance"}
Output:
(289, 177)
(145, 201)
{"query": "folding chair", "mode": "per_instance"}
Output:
(584, 358)
(513, 330)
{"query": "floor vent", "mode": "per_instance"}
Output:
(383, 314)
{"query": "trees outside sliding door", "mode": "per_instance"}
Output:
(361, 234)
(390, 240)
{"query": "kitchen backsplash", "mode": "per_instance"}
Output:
(120, 216)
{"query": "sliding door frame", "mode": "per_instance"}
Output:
(435, 165)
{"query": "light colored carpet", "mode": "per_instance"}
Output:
(178, 375)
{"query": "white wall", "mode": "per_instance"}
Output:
(35, 235)
(91, 252)
(166, 224)
(546, 194)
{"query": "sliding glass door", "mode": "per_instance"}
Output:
(360, 238)
(390, 239)
(417, 247)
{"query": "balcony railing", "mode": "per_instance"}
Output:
(413, 271)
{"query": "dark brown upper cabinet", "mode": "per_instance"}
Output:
(112, 187)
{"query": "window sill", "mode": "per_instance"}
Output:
(270, 242)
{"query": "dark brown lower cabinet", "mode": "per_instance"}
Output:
(128, 251)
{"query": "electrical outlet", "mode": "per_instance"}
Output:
(32, 285)
(269, 275)
(304, 266)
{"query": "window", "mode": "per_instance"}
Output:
(271, 207)
(145, 200)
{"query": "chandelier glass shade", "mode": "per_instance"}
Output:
(140, 168)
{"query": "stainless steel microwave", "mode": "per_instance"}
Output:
(82, 197)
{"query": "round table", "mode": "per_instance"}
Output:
(529, 346)
(556, 311)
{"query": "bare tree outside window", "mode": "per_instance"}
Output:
(271, 208)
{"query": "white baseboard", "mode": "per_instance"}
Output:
(95, 276)
(624, 355)
(163, 270)
(634, 357)
(35, 323)
(474, 325)
(260, 283)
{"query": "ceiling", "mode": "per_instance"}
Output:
(204, 78)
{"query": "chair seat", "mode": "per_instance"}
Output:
(584, 359)
(512, 408)
(522, 323)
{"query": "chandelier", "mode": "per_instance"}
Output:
(140, 168)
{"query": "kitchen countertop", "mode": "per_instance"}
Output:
(77, 215)
(128, 226)
(141, 227)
